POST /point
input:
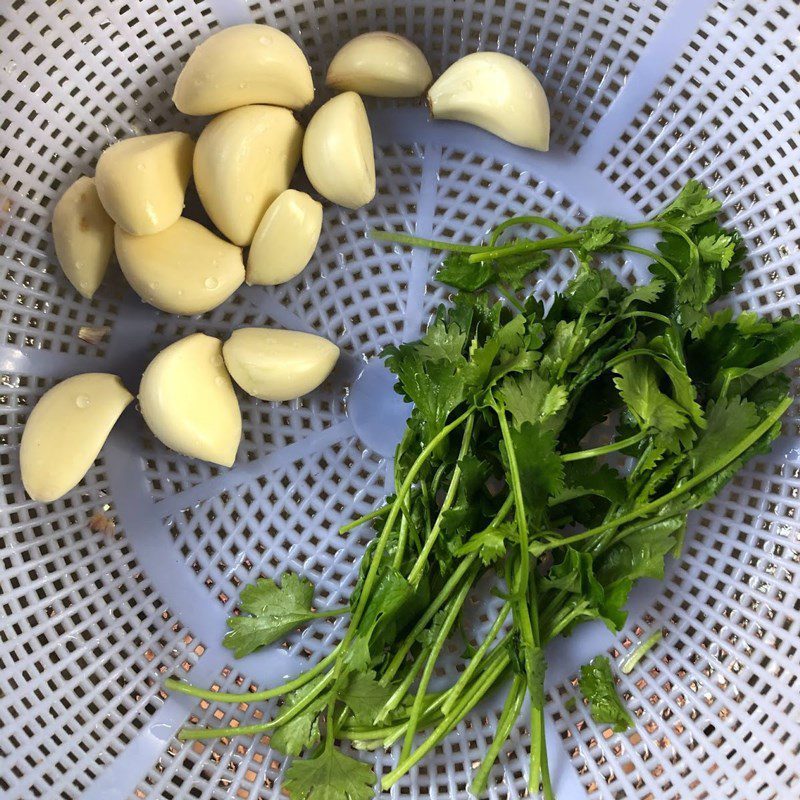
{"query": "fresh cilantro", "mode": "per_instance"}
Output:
(597, 686)
(270, 612)
(505, 468)
(330, 775)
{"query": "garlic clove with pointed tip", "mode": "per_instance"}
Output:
(243, 65)
(497, 93)
(66, 431)
(83, 235)
(274, 364)
(142, 181)
(243, 160)
(337, 152)
(285, 240)
(184, 269)
(188, 402)
(380, 64)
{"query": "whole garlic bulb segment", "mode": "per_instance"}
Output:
(142, 181)
(285, 240)
(184, 269)
(188, 402)
(380, 64)
(83, 235)
(274, 364)
(243, 160)
(66, 430)
(497, 93)
(243, 65)
(337, 152)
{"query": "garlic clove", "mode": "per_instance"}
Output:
(497, 93)
(188, 402)
(243, 65)
(337, 152)
(243, 160)
(380, 64)
(285, 240)
(184, 269)
(274, 364)
(83, 235)
(66, 430)
(142, 181)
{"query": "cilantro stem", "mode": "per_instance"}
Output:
(636, 656)
(648, 314)
(378, 512)
(253, 697)
(413, 636)
(622, 444)
(644, 509)
(402, 688)
(402, 537)
(468, 702)
(551, 243)
(422, 559)
(509, 295)
(659, 259)
(508, 716)
(444, 631)
(531, 220)
(189, 734)
(476, 659)
(372, 573)
(417, 241)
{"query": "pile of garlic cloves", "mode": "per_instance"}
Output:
(253, 79)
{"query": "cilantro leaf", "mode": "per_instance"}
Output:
(330, 775)
(490, 544)
(365, 697)
(600, 233)
(458, 272)
(271, 612)
(302, 731)
(540, 467)
(692, 206)
(531, 398)
(728, 421)
(597, 686)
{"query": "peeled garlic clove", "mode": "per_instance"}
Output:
(497, 93)
(65, 431)
(243, 160)
(243, 65)
(337, 152)
(285, 240)
(184, 269)
(274, 364)
(83, 235)
(142, 181)
(380, 64)
(188, 402)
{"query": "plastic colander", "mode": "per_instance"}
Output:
(644, 95)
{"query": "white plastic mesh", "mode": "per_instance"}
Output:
(644, 95)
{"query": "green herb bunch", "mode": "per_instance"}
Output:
(507, 466)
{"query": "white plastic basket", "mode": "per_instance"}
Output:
(644, 95)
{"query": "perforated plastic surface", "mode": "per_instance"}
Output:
(644, 95)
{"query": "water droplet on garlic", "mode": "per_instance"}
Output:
(83, 401)
(211, 283)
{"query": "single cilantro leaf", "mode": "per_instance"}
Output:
(365, 697)
(568, 341)
(653, 409)
(718, 249)
(645, 294)
(490, 544)
(692, 206)
(728, 421)
(458, 272)
(597, 686)
(514, 270)
(302, 731)
(531, 398)
(587, 477)
(330, 775)
(271, 611)
(600, 233)
(540, 467)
